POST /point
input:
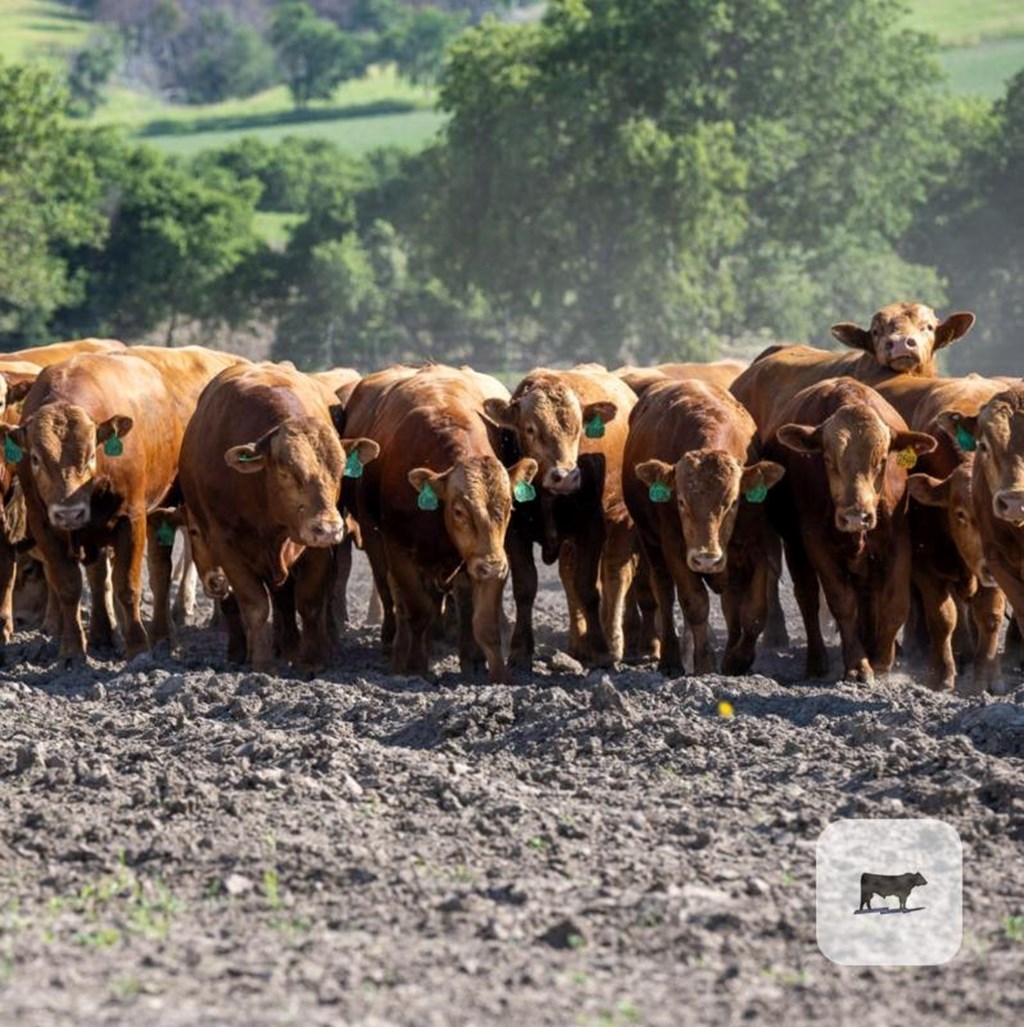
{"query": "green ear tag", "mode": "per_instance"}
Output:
(427, 499)
(113, 446)
(758, 494)
(165, 534)
(594, 428)
(965, 440)
(353, 466)
(659, 492)
(12, 451)
(524, 492)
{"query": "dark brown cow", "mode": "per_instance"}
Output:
(997, 488)
(903, 339)
(261, 471)
(695, 486)
(98, 443)
(842, 514)
(436, 502)
(948, 567)
(574, 424)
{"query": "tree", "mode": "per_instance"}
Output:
(314, 54)
(90, 72)
(224, 59)
(629, 171)
(49, 195)
(417, 42)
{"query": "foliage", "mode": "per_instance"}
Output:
(90, 71)
(315, 55)
(417, 42)
(225, 59)
(49, 195)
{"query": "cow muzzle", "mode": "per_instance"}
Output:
(483, 568)
(903, 353)
(216, 584)
(1008, 505)
(325, 532)
(562, 480)
(706, 561)
(68, 516)
(855, 519)
(986, 578)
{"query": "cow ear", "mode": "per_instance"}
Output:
(365, 450)
(15, 441)
(500, 412)
(653, 472)
(117, 426)
(247, 459)
(961, 428)
(929, 491)
(422, 477)
(800, 438)
(956, 326)
(172, 514)
(764, 472)
(337, 412)
(605, 410)
(915, 440)
(522, 472)
(853, 336)
(18, 390)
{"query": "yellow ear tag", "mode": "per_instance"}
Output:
(906, 458)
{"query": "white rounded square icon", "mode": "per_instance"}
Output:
(889, 892)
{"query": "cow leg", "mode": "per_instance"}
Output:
(988, 606)
(314, 575)
(892, 607)
(745, 603)
(776, 634)
(586, 573)
(939, 611)
(8, 573)
(374, 607)
(577, 623)
(523, 569)
(617, 568)
(693, 597)
(487, 598)
(184, 607)
(232, 615)
(649, 641)
(160, 566)
(471, 656)
(342, 573)
(101, 627)
(806, 590)
(373, 545)
(129, 552)
(670, 660)
(415, 609)
(52, 620)
(842, 601)
(253, 604)
(285, 628)
(66, 584)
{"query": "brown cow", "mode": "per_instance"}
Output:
(438, 500)
(270, 517)
(948, 567)
(695, 486)
(997, 488)
(574, 424)
(58, 352)
(842, 514)
(903, 339)
(718, 372)
(98, 446)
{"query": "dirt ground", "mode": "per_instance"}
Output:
(181, 843)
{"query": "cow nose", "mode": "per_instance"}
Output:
(562, 479)
(68, 518)
(485, 568)
(1009, 505)
(855, 519)
(706, 561)
(326, 532)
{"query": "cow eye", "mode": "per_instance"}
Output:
(982, 446)
(35, 460)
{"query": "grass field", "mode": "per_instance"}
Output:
(963, 23)
(39, 30)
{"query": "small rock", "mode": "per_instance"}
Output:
(758, 886)
(31, 754)
(606, 697)
(566, 934)
(169, 688)
(352, 788)
(563, 663)
(98, 691)
(238, 884)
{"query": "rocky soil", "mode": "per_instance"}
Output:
(181, 843)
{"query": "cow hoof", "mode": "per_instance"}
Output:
(816, 667)
(732, 665)
(861, 673)
(521, 660)
(670, 668)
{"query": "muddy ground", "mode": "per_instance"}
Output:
(185, 844)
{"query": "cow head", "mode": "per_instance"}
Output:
(549, 421)
(708, 486)
(303, 461)
(855, 445)
(905, 336)
(997, 432)
(954, 495)
(63, 445)
(477, 501)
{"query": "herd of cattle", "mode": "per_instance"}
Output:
(896, 493)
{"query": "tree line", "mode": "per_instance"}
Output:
(621, 180)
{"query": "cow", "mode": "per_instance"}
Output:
(948, 568)
(260, 475)
(695, 486)
(96, 450)
(434, 510)
(996, 435)
(58, 352)
(574, 424)
(717, 372)
(903, 339)
(842, 513)
(900, 885)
